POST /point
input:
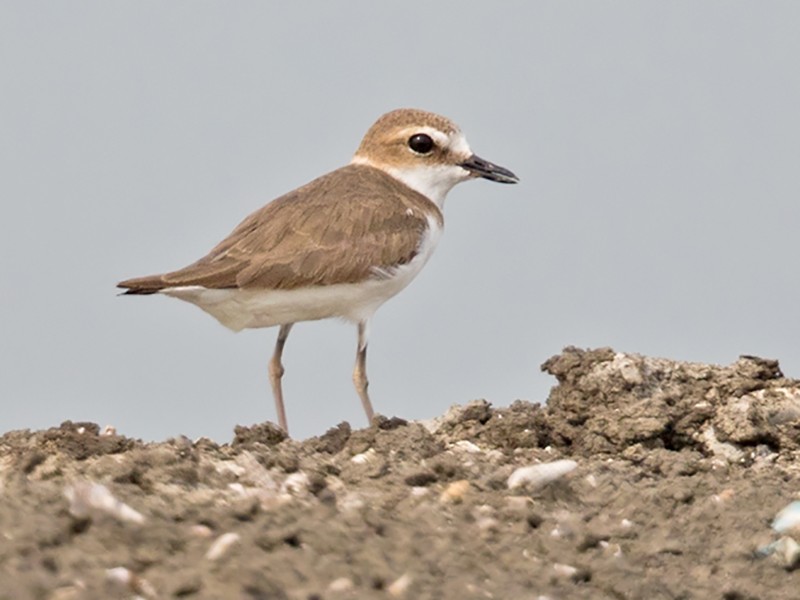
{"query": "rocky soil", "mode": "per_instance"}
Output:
(640, 478)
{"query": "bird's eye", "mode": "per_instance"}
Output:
(420, 143)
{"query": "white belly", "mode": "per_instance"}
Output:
(240, 309)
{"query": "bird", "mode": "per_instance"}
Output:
(339, 246)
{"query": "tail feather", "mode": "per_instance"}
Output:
(143, 285)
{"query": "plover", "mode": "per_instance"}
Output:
(339, 246)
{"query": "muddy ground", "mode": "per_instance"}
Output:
(679, 470)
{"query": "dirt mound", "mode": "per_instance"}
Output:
(640, 478)
(606, 402)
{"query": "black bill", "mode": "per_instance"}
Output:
(483, 168)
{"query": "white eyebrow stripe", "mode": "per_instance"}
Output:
(459, 145)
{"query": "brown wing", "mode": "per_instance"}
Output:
(339, 228)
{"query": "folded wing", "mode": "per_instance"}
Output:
(344, 227)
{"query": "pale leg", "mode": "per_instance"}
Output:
(275, 374)
(360, 370)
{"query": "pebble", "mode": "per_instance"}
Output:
(563, 570)
(254, 473)
(342, 584)
(296, 484)
(237, 488)
(572, 573)
(614, 550)
(86, 498)
(786, 550)
(723, 496)
(200, 531)
(467, 446)
(538, 476)
(488, 524)
(559, 532)
(519, 503)
(591, 539)
(485, 520)
(788, 518)
(127, 580)
(399, 587)
(419, 491)
(187, 584)
(221, 545)
(721, 450)
(495, 455)
(364, 457)
(350, 502)
(454, 493)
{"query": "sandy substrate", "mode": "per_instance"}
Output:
(652, 479)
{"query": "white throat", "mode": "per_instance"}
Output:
(432, 181)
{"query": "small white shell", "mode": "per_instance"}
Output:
(86, 498)
(120, 576)
(221, 545)
(538, 476)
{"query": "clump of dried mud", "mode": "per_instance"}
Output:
(680, 469)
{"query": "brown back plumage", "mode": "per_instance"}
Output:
(340, 228)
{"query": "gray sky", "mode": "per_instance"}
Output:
(658, 144)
